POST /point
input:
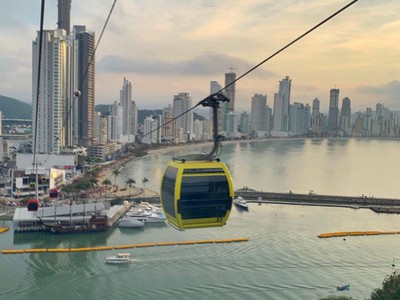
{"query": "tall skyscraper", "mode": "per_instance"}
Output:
(115, 122)
(228, 107)
(230, 91)
(333, 115)
(244, 122)
(168, 129)
(126, 102)
(64, 12)
(53, 91)
(182, 102)
(299, 116)
(315, 107)
(258, 114)
(317, 119)
(281, 105)
(345, 117)
(84, 66)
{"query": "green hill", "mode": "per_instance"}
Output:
(15, 109)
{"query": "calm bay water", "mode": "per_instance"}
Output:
(284, 259)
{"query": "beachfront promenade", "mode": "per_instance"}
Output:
(384, 205)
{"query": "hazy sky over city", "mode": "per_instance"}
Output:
(168, 47)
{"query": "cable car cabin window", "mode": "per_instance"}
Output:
(204, 197)
(168, 190)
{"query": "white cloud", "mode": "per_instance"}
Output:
(168, 46)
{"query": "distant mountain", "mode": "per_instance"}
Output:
(15, 109)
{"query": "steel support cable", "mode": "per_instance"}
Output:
(34, 162)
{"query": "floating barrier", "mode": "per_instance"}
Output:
(35, 250)
(355, 233)
(85, 249)
(12, 251)
(102, 248)
(128, 246)
(187, 243)
(124, 247)
(4, 229)
(58, 250)
(166, 244)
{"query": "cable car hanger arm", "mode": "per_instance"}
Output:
(213, 102)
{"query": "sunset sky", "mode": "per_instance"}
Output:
(172, 46)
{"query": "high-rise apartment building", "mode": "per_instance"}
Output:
(48, 128)
(152, 130)
(281, 105)
(126, 102)
(299, 116)
(333, 115)
(181, 103)
(258, 115)
(345, 117)
(317, 119)
(115, 122)
(228, 108)
(64, 12)
(168, 129)
(83, 69)
(244, 122)
(230, 91)
(315, 107)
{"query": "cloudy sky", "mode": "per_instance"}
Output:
(165, 47)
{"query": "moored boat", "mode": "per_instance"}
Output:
(130, 222)
(95, 224)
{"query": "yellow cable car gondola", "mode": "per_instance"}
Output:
(197, 190)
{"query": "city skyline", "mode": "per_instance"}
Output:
(356, 52)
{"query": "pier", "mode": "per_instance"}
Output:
(379, 205)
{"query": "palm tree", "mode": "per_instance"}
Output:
(116, 173)
(144, 180)
(130, 182)
(106, 183)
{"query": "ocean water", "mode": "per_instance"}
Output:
(284, 258)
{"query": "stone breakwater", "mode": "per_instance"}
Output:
(380, 205)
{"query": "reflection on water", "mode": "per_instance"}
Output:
(284, 259)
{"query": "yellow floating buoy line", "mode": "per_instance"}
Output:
(4, 229)
(355, 233)
(128, 246)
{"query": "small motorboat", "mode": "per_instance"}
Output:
(241, 203)
(343, 287)
(120, 258)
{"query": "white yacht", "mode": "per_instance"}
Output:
(130, 222)
(241, 203)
